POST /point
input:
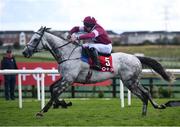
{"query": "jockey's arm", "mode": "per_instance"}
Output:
(86, 36)
(91, 35)
(74, 30)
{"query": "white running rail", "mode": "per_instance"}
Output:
(41, 75)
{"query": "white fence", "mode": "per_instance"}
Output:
(41, 95)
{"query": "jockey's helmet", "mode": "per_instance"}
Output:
(89, 21)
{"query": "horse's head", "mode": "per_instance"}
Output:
(35, 44)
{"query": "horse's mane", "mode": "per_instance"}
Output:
(51, 32)
(45, 29)
(59, 36)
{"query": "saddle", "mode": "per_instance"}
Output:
(105, 60)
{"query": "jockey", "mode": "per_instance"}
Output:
(99, 40)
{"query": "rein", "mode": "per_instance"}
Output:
(62, 61)
(53, 49)
(69, 56)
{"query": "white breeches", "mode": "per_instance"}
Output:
(102, 48)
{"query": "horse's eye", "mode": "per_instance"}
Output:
(36, 40)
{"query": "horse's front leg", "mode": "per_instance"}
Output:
(61, 103)
(45, 109)
(57, 102)
(54, 88)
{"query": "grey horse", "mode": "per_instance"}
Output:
(72, 69)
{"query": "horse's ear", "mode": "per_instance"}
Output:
(44, 28)
(41, 28)
(48, 29)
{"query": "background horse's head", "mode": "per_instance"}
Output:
(36, 43)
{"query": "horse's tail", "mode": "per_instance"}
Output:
(157, 67)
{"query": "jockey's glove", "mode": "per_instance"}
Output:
(69, 36)
(74, 37)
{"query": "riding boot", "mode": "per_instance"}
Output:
(94, 57)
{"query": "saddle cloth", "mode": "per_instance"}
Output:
(105, 61)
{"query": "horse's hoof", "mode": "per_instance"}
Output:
(55, 106)
(144, 113)
(64, 106)
(39, 115)
(162, 106)
(69, 104)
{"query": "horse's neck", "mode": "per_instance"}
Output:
(60, 50)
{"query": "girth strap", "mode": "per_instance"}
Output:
(88, 76)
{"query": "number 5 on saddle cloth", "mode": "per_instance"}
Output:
(105, 60)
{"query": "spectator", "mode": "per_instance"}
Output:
(9, 62)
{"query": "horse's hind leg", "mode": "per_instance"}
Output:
(144, 94)
(135, 88)
(147, 93)
(154, 104)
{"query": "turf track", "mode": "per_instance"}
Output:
(87, 112)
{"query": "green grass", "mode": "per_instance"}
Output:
(169, 54)
(36, 58)
(151, 50)
(92, 112)
(148, 50)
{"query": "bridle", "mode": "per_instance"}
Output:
(38, 41)
(41, 33)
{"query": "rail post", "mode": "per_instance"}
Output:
(38, 88)
(129, 97)
(20, 90)
(121, 93)
(42, 91)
